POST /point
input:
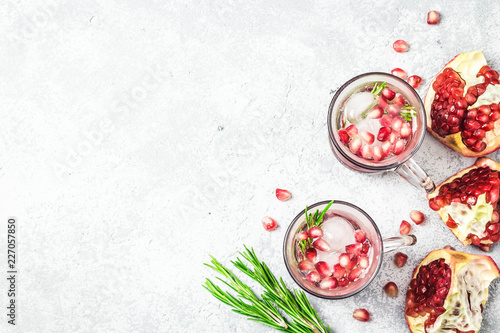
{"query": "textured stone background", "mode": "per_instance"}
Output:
(138, 137)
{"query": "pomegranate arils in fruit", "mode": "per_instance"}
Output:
(355, 145)
(338, 271)
(323, 269)
(404, 228)
(391, 289)
(354, 248)
(388, 94)
(400, 259)
(399, 73)
(313, 277)
(302, 236)
(367, 137)
(355, 274)
(363, 261)
(361, 315)
(352, 130)
(375, 113)
(283, 195)
(321, 244)
(329, 283)
(315, 232)
(383, 133)
(312, 255)
(269, 223)
(417, 216)
(359, 236)
(432, 17)
(400, 46)
(414, 81)
(306, 265)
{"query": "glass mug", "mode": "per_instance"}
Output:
(402, 164)
(359, 220)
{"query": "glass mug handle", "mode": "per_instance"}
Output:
(394, 243)
(414, 174)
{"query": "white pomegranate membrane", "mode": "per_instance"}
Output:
(347, 258)
(375, 123)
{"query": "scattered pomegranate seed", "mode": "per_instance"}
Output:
(352, 130)
(312, 255)
(363, 261)
(391, 289)
(485, 248)
(388, 94)
(344, 137)
(449, 247)
(338, 271)
(306, 265)
(399, 73)
(321, 244)
(313, 277)
(417, 216)
(355, 145)
(399, 146)
(404, 228)
(367, 137)
(400, 259)
(315, 232)
(323, 269)
(283, 195)
(415, 81)
(302, 236)
(329, 283)
(432, 17)
(399, 100)
(400, 46)
(355, 274)
(375, 113)
(359, 236)
(405, 131)
(361, 315)
(268, 223)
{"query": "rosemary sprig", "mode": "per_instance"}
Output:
(312, 221)
(377, 89)
(304, 318)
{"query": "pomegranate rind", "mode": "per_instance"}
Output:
(467, 65)
(480, 162)
(456, 261)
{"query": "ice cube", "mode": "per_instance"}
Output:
(338, 232)
(357, 104)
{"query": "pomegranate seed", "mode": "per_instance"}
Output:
(321, 244)
(367, 137)
(315, 232)
(343, 282)
(417, 216)
(312, 255)
(485, 248)
(378, 155)
(432, 17)
(400, 46)
(366, 152)
(363, 261)
(355, 145)
(388, 94)
(302, 236)
(361, 315)
(415, 81)
(386, 120)
(383, 133)
(366, 248)
(359, 236)
(399, 100)
(352, 263)
(393, 109)
(329, 283)
(399, 146)
(354, 248)
(313, 277)
(393, 137)
(344, 260)
(405, 131)
(323, 269)
(338, 271)
(391, 289)
(449, 247)
(396, 124)
(352, 130)
(386, 148)
(355, 274)
(306, 265)
(399, 73)
(375, 113)
(268, 223)
(400, 259)
(283, 195)
(475, 240)
(404, 228)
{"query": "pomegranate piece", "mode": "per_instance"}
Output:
(355, 274)
(399, 146)
(313, 277)
(400, 259)
(391, 289)
(378, 155)
(367, 137)
(414, 81)
(354, 248)
(386, 120)
(311, 255)
(269, 223)
(366, 152)
(351, 130)
(417, 216)
(393, 110)
(448, 285)
(388, 94)
(323, 269)
(399, 101)
(359, 236)
(345, 260)
(361, 315)
(400, 46)
(355, 145)
(344, 137)
(283, 195)
(343, 282)
(375, 113)
(469, 199)
(302, 236)
(473, 132)
(315, 232)
(396, 124)
(383, 133)
(404, 228)
(338, 271)
(321, 244)
(432, 17)
(306, 265)
(405, 131)
(399, 73)
(363, 261)
(329, 283)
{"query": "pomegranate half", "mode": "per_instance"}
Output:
(448, 292)
(468, 203)
(463, 106)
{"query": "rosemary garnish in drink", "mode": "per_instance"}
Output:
(312, 221)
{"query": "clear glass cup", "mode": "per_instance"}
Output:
(402, 164)
(360, 220)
